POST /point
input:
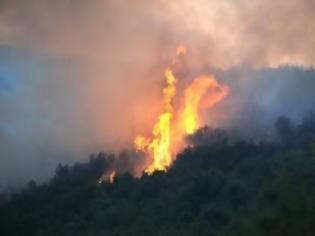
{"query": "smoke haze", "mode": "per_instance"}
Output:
(78, 76)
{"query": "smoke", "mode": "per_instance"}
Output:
(80, 76)
(259, 96)
(222, 33)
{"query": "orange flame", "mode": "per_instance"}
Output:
(108, 176)
(160, 145)
(111, 176)
(204, 92)
(172, 126)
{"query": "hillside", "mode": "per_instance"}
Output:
(216, 188)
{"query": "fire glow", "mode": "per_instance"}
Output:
(173, 124)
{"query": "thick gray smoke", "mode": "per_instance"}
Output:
(81, 76)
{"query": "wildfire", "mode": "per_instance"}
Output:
(159, 147)
(111, 176)
(173, 125)
(108, 177)
(204, 92)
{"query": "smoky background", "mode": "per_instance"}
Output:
(78, 77)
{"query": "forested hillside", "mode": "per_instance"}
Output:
(216, 187)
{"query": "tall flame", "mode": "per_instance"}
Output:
(160, 145)
(204, 92)
(172, 126)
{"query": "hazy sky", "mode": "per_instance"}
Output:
(80, 76)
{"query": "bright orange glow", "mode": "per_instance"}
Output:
(159, 147)
(141, 143)
(111, 176)
(204, 92)
(176, 120)
(172, 124)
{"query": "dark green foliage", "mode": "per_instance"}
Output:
(218, 188)
(208, 136)
(301, 136)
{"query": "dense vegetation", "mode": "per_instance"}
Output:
(216, 188)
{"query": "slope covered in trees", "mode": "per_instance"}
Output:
(214, 188)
